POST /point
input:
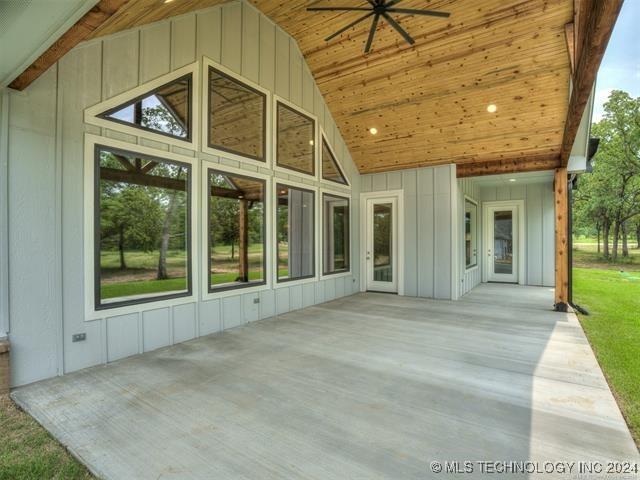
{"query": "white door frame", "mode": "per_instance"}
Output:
(521, 241)
(399, 234)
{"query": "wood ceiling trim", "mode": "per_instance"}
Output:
(596, 21)
(526, 164)
(81, 30)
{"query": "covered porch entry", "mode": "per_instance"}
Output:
(367, 386)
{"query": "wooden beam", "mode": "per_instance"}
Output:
(143, 179)
(244, 241)
(592, 33)
(93, 19)
(525, 164)
(560, 188)
(569, 35)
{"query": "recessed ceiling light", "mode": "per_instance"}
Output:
(310, 142)
(373, 130)
(168, 1)
(491, 108)
(512, 179)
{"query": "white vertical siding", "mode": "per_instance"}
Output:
(45, 132)
(428, 226)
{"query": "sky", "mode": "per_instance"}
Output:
(620, 68)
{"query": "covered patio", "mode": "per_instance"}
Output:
(366, 386)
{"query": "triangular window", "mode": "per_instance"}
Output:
(165, 110)
(330, 168)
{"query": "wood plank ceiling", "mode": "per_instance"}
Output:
(429, 102)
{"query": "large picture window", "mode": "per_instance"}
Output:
(165, 110)
(336, 246)
(237, 116)
(295, 230)
(470, 233)
(237, 220)
(295, 140)
(142, 228)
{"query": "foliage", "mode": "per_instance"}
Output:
(613, 329)
(608, 200)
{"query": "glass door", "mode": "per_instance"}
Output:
(381, 254)
(502, 244)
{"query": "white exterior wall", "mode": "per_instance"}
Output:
(430, 227)
(469, 278)
(45, 131)
(539, 227)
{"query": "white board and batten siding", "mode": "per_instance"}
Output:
(429, 227)
(45, 131)
(540, 227)
(469, 277)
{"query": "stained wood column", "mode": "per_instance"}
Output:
(244, 240)
(562, 239)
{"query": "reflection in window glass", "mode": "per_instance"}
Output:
(470, 234)
(295, 137)
(335, 211)
(142, 228)
(236, 231)
(330, 168)
(383, 242)
(165, 110)
(295, 233)
(237, 116)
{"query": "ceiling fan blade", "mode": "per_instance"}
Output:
(338, 9)
(391, 3)
(398, 28)
(372, 32)
(410, 11)
(344, 29)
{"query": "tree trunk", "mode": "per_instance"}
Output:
(638, 235)
(233, 250)
(625, 245)
(616, 240)
(164, 243)
(123, 265)
(598, 228)
(605, 238)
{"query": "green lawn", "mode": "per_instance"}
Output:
(585, 255)
(28, 452)
(613, 329)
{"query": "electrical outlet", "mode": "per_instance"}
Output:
(256, 300)
(78, 337)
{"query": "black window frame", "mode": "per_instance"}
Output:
(335, 160)
(348, 199)
(98, 304)
(277, 148)
(474, 232)
(106, 115)
(277, 266)
(265, 113)
(265, 268)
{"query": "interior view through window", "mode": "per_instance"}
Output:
(295, 232)
(142, 227)
(165, 110)
(503, 242)
(237, 237)
(295, 134)
(330, 168)
(383, 242)
(336, 234)
(470, 233)
(237, 116)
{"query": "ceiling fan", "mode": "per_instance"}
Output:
(377, 9)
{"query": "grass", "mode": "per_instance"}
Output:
(585, 255)
(613, 329)
(27, 451)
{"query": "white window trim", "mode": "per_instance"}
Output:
(316, 233)
(91, 114)
(348, 197)
(268, 201)
(327, 183)
(274, 151)
(399, 194)
(205, 148)
(89, 249)
(476, 236)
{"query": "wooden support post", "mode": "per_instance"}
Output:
(244, 241)
(562, 241)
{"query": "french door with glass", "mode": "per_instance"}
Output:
(381, 244)
(501, 243)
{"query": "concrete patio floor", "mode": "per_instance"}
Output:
(364, 387)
